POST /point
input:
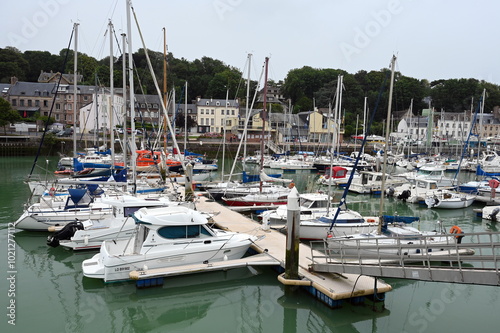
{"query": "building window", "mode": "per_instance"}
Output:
(85, 98)
(37, 103)
(45, 103)
(212, 121)
(202, 111)
(222, 122)
(21, 102)
(201, 121)
(69, 97)
(14, 102)
(29, 102)
(70, 106)
(232, 112)
(58, 106)
(213, 111)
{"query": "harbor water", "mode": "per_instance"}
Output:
(43, 289)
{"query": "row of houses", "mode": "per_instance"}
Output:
(216, 115)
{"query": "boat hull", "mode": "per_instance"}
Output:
(110, 267)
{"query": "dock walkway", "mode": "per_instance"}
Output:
(336, 287)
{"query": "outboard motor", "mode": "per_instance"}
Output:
(404, 195)
(494, 213)
(390, 191)
(65, 233)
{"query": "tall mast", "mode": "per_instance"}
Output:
(112, 96)
(124, 97)
(384, 166)
(264, 116)
(132, 98)
(185, 115)
(75, 87)
(165, 86)
(246, 110)
(224, 136)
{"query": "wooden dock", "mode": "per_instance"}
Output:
(331, 289)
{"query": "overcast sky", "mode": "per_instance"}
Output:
(433, 39)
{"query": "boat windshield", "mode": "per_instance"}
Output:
(183, 231)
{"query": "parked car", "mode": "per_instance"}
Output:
(65, 132)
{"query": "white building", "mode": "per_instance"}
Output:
(212, 114)
(97, 115)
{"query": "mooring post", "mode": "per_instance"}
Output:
(188, 184)
(292, 239)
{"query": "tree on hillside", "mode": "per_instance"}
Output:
(41, 61)
(12, 64)
(7, 114)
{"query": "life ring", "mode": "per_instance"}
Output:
(455, 230)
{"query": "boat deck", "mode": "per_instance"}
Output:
(334, 286)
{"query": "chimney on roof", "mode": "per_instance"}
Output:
(198, 98)
(13, 80)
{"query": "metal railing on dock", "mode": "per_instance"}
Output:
(475, 260)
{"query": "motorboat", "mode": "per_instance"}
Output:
(432, 171)
(413, 192)
(165, 237)
(449, 199)
(370, 182)
(89, 234)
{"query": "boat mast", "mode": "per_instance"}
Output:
(124, 96)
(384, 165)
(185, 116)
(112, 96)
(165, 87)
(264, 116)
(132, 98)
(75, 69)
(246, 110)
(224, 137)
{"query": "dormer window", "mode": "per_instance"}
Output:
(207, 103)
(217, 103)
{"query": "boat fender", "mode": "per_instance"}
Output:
(436, 202)
(292, 185)
(371, 220)
(64, 234)
(52, 191)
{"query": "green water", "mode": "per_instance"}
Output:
(51, 295)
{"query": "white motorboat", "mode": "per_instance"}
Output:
(371, 182)
(490, 213)
(431, 171)
(414, 192)
(448, 199)
(89, 234)
(165, 237)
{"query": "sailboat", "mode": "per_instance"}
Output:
(279, 195)
(393, 231)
